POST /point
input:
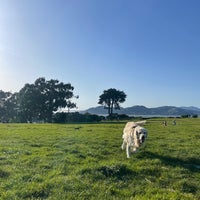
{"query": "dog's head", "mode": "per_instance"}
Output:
(140, 135)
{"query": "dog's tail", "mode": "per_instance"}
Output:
(140, 123)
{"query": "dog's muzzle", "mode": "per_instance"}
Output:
(142, 139)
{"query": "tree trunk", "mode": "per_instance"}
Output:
(109, 110)
(49, 117)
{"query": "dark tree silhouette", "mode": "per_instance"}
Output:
(5, 106)
(40, 100)
(111, 99)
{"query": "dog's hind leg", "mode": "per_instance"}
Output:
(123, 145)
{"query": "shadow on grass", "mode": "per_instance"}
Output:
(191, 163)
(4, 174)
(118, 172)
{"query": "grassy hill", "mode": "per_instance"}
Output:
(85, 161)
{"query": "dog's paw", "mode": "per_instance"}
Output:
(134, 150)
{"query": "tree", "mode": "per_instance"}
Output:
(112, 98)
(29, 104)
(70, 104)
(4, 97)
(8, 106)
(40, 100)
(11, 107)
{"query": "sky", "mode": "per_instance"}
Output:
(150, 49)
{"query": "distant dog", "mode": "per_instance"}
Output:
(134, 137)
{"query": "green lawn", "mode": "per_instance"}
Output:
(85, 161)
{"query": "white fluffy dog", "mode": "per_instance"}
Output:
(134, 137)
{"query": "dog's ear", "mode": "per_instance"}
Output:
(132, 132)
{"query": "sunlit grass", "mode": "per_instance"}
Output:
(85, 161)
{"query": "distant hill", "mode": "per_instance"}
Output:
(192, 108)
(99, 110)
(142, 110)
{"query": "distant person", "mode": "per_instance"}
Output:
(165, 123)
(174, 122)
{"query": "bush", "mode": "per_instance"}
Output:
(76, 117)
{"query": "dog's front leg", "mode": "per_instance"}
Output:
(135, 150)
(128, 151)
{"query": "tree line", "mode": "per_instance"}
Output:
(44, 101)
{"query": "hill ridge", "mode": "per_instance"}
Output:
(143, 110)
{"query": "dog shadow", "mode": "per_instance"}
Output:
(191, 163)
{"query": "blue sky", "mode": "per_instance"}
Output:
(150, 49)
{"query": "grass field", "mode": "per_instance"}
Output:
(85, 161)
